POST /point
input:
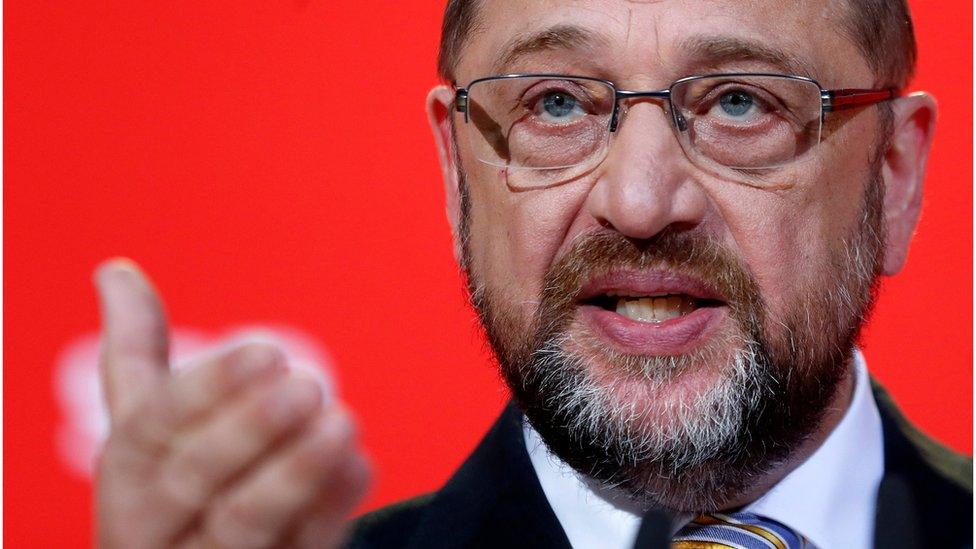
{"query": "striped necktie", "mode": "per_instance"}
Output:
(738, 531)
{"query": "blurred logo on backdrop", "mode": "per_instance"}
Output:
(84, 421)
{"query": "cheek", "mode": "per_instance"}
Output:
(516, 235)
(791, 239)
(770, 239)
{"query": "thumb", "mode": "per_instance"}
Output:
(135, 342)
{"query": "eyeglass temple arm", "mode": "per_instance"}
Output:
(838, 100)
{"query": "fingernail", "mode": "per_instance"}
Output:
(112, 267)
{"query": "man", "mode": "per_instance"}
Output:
(672, 216)
(674, 282)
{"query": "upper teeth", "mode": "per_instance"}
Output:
(654, 309)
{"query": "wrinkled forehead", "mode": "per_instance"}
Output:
(661, 40)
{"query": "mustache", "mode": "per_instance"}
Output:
(690, 252)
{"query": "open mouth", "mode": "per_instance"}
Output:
(650, 308)
(652, 312)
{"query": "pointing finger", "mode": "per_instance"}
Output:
(135, 343)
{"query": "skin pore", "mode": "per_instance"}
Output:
(805, 247)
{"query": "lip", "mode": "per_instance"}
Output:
(671, 337)
(650, 282)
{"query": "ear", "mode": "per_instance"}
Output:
(903, 172)
(440, 103)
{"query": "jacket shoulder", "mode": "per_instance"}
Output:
(926, 496)
(390, 526)
(954, 468)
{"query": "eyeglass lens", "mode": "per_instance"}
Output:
(545, 129)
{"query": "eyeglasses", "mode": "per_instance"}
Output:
(546, 128)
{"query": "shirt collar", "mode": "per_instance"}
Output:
(830, 498)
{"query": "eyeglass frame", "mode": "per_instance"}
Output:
(831, 100)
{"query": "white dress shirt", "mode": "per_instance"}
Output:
(830, 498)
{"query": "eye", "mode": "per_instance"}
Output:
(736, 103)
(559, 107)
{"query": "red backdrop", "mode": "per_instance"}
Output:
(269, 162)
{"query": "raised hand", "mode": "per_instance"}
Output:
(235, 451)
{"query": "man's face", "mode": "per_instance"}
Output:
(657, 320)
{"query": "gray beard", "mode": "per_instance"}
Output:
(700, 452)
(691, 435)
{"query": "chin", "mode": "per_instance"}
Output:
(657, 393)
(670, 431)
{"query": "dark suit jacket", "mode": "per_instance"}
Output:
(495, 500)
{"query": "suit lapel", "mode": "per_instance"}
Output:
(494, 499)
(896, 522)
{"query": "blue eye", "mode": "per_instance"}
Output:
(559, 105)
(736, 103)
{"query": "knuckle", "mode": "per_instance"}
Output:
(238, 522)
(286, 404)
(186, 479)
(120, 460)
(147, 424)
(325, 447)
(311, 460)
(198, 388)
(243, 364)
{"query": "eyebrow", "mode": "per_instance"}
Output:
(558, 37)
(718, 50)
(706, 50)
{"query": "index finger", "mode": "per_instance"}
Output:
(135, 339)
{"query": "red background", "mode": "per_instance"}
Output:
(270, 162)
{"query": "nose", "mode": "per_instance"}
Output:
(646, 182)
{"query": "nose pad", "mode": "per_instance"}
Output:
(679, 121)
(615, 117)
(619, 112)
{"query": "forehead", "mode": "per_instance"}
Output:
(663, 39)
